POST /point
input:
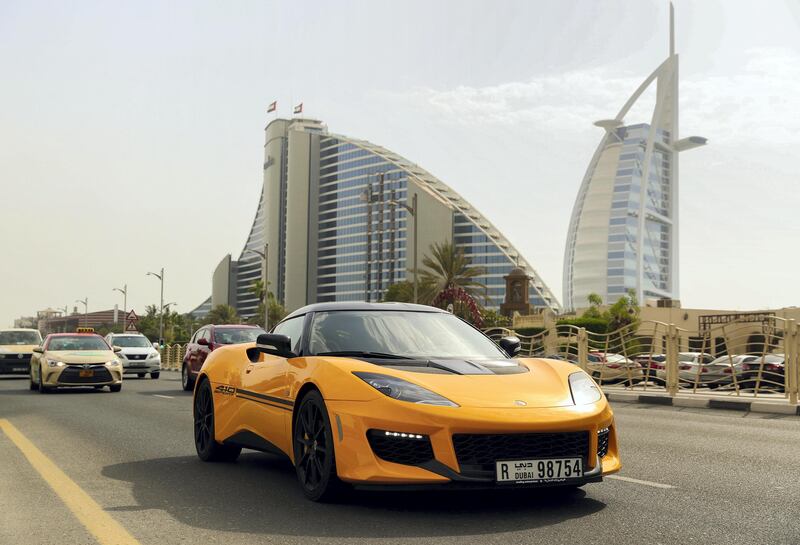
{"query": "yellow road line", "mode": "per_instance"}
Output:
(105, 529)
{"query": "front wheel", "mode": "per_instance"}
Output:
(204, 442)
(42, 388)
(315, 462)
(155, 374)
(115, 387)
(186, 380)
(141, 375)
(33, 386)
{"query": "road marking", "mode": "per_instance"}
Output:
(105, 529)
(165, 397)
(639, 481)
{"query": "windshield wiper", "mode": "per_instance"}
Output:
(364, 354)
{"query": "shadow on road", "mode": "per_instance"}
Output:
(260, 494)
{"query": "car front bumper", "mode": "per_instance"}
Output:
(358, 463)
(70, 375)
(15, 363)
(130, 367)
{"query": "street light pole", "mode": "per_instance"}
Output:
(263, 255)
(161, 314)
(124, 292)
(413, 211)
(85, 309)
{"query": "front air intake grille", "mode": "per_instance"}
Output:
(411, 450)
(479, 452)
(72, 375)
(133, 357)
(602, 442)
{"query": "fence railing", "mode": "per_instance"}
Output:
(172, 356)
(737, 358)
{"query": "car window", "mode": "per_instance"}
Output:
(206, 334)
(78, 342)
(707, 358)
(292, 328)
(19, 337)
(237, 335)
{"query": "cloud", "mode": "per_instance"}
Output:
(760, 105)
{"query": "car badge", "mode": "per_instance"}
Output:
(519, 402)
(86, 366)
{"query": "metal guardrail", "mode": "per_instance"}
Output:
(736, 358)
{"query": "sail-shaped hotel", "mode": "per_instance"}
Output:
(623, 233)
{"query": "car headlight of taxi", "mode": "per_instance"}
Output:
(402, 390)
(583, 388)
(113, 363)
(55, 363)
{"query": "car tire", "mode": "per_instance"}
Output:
(115, 387)
(155, 375)
(42, 388)
(33, 386)
(315, 465)
(186, 379)
(205, 444)
(141, 375)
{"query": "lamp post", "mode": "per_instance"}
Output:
(85, 309)
(413, 211)
(263, 255)
(124, 292)
(161, 314)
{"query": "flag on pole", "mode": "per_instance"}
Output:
(299, 108)
(272, 107)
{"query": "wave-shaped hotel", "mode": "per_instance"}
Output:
(334, 218)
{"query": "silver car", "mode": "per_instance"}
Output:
(138, 355)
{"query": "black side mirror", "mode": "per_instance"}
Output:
(276, 345)
(39, 350)
(511, 345)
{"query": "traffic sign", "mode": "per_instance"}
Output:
(132, 317)
(131, 327)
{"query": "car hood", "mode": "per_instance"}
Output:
(545, 384)
(17, 348)
(80, 356)
(135, 350)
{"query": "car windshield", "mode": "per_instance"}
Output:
(78, 342)
(19, 337)
(132, 341)
(399, 333)
(237, 335)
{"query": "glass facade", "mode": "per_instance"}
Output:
(348, 176)
(623, 229)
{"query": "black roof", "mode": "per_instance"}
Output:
(324, 307)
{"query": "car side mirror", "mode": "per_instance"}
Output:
(155, 345)
(276, 345)
(39, 350)
(511, 345)
(202, 342)
(117, 349)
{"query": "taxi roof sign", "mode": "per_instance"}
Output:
(85, 330)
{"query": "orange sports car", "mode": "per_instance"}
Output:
(392, 395)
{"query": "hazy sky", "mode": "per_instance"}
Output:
(131, 133)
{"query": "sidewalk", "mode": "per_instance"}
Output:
(769, 403)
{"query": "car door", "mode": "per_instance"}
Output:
(265, 387)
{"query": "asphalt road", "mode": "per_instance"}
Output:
(708, 477)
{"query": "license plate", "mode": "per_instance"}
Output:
(539, 471)
(86, 373)
(15, 369)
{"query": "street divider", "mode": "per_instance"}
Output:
(172, 357)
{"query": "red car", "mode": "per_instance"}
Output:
(207, 339)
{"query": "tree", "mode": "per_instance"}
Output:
(222, 314)
(277, 311)
(624, 312)
(403, 292)
(595, 302)
(448, 267)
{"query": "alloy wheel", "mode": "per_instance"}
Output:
(203, 419)
(313, 446)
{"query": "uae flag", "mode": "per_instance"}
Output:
(299, 108)
(272, 107)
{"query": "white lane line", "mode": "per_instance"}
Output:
(165, 397)
(639, 481)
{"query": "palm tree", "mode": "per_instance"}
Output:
(222, 314)
(448, 267)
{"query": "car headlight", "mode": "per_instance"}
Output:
(55, 363)
(153, 355)
(400, 389)
(583, 388)
(113, 363)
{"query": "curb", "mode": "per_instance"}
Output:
(701, 403)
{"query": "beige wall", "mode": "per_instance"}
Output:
(273, 148)
(221, 281)
(435, 224)
(297, 221)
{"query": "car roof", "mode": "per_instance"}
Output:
(328, 307)
(233, 325)
(75, 335)
(127, 334)
(18, 329)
